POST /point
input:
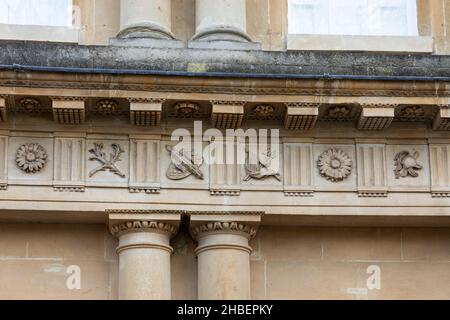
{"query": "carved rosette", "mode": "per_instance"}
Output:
(31, 157)
(335, 165)
(142, 226)
(30, 106)
(223, 227)
(186, 109)
(106, 106)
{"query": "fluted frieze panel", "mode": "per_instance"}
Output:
(440, 170)
(371, 166)
(225, 175)
(3, 162)
(69, 160)
(144, 166)
(298, 168)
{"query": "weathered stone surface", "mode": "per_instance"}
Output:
(18, 54)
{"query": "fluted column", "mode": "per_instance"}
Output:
(145, 19)
(223, 259)
(144, 256)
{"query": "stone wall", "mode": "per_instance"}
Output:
(287, 262)
(331, 263)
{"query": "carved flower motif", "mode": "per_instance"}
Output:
(186, 109)
(412, 111)
(31, 157)
(106, 106)
(335, 165)
(30, 105)
(339, 112)
(264, 110)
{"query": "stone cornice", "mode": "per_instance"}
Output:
(199, 84)
(188, 212)
(228, 103)
(230, 213)
(146, 100)
(138, 211)
(67, 98)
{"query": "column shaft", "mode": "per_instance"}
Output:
(223, 267)
(223, 258)
(144, 253)
(145, 19)
(144, 266)
(221, 20)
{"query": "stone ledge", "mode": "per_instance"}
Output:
(224, 45)
(134, 60)
(146, 42)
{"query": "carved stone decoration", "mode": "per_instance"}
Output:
(31, 157)
(411, 113)
(218, 226)
(183, 164)
(106, 106)
(264, 110)
(106, 164)
(406, 164)
(186, 109)
(263, 168)
(142, 226)
(335, 165)
(30, 106)
(339, 112)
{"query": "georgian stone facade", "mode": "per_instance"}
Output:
(88, 176)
